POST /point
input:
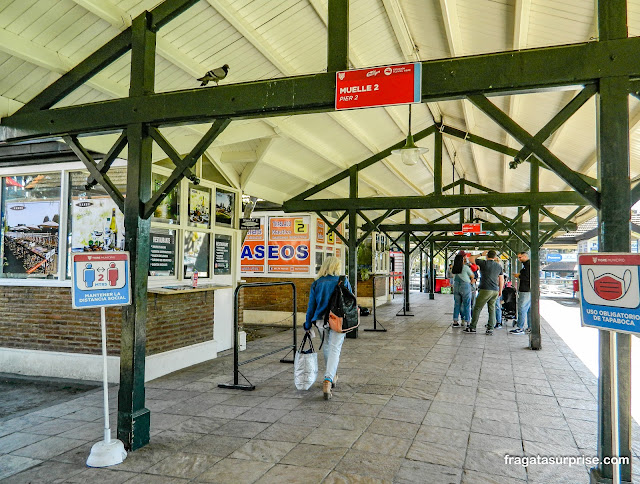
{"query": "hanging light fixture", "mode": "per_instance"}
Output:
(410, 153)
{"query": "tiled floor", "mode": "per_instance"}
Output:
(421, 403)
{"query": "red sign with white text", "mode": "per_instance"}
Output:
(379, 86)
(471, 228)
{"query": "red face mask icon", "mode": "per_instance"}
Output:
(609, 286)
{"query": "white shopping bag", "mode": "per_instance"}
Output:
(305, 365)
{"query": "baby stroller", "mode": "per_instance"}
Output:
(509, 303)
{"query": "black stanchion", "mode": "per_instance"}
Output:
(405, 295)
(375, 321)
(236, 385)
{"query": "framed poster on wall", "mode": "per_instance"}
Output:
(289, 245)
(252, 255)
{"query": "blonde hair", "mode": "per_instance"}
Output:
(330, 267)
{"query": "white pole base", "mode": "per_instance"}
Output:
(105, 454)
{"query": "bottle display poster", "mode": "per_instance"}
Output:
(93, 227)
(320, 231)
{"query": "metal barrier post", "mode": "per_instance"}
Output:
(405, 297)
(236, 363)
(375, 321)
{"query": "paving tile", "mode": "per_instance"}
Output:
(361, 409)
(234, 471)
(430, 433)
(183, 465)
(334, 438)
(144, 458)
(292, 475)
(309, 455)
(200, 424)
(497, 414)
(474, 477)
(18, 440)
(369, 464)
(13, 464)
(424, 472)
(241, 428)
(285, 433)
(347, 422)
(393, 428)
(91, 475)
(490, 463)
(493, 427)
(219, 445)
(154, 479)
(224, 411)
(403, 414)
(437, 453)
(338, 478)
(494, 443)
(45, 472)
(541, 434)
(263, 450)
(47, 448)
(382, 444)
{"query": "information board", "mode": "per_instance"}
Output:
(379, 86)
(162, 253)
(100, 279)
(222, 255)
(610, 291)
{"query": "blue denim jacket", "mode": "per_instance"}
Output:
(319, 295)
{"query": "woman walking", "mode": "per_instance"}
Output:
(462, 280)
(319, 296)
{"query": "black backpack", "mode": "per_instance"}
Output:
(343, 314)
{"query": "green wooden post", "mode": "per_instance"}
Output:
(407, 262)
(133, 417)
(353, 240)
(614, 236)
(535, 338)
(432, 279)
(338, 36)
(437, 163)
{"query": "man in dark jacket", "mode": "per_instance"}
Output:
(490, 288)
(524, 294)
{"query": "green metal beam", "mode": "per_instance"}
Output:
(563, 171)
(185, 164)
(168, 10)
(564, 224)
(109, 158)
(338, 35)
(104, 180)
(559, 119)
(479, 140)
(437, 163)
(488, 226)
(362, 165)
(522, 71)
(435, 201)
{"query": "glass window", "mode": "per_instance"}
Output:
(30, 225)
(196, 253)
(199, 206)
(225, 207)
(95, 222)
(168, 211)
(162, 255)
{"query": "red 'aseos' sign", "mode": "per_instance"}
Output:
(379, 86)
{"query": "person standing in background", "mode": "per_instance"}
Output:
(524, 294)
(462, 279)
(491, 284)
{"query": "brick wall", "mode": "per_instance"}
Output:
(276, 298)
(41, 318)
(365, 288)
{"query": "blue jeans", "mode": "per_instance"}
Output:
(462, 301)
(499, 310)
(331, 351)
(524, 309)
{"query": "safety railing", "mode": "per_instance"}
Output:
(236, 385)
(373, 309)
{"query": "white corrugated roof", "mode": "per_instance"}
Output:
(261, 39)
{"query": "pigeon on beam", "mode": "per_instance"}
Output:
(215, 75)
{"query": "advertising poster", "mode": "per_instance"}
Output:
(289, 245)
(162, 254)
(252, 254)
(93, 227)
(225, 205)
(341, 232)
(331, 237)
(167, 211)
(31, 237)
(222, 255)
(199, 202)
(320, 230)
(338, 252)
